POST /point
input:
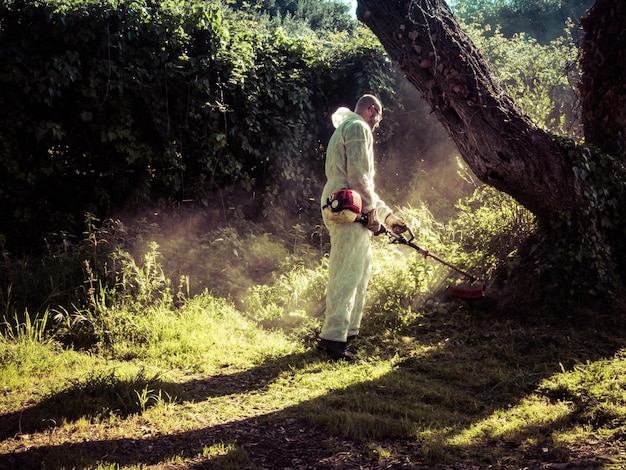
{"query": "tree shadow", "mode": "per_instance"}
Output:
(96, 396)
(103, 395)
(508, 357)
(249, 380)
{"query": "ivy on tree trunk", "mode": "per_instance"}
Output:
(603, 84)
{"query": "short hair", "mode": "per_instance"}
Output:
(365, 102)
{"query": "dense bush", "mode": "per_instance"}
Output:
(113, 104)
(294, 15)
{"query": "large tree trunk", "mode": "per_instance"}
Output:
(499, 143)
(603, 85)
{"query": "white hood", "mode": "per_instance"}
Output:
(341, 115)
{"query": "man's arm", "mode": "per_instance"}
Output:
(360, 167)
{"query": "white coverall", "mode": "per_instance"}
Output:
(349, 164)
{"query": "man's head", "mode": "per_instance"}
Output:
(370, 109)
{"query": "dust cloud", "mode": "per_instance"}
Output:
(226, 245)
(420, 164)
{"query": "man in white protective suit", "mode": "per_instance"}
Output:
(350, 165)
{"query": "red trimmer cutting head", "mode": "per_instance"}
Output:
(474, 291)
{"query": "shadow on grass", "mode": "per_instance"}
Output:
(96, 396)
(99, 396)
(245, 381)
(477, 365)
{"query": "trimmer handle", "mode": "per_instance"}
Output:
(363, 219)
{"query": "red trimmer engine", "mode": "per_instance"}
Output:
(343, 207)
(345, 199)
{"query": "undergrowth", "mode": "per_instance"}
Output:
(181, 378)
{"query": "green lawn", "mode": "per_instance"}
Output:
(207, 387)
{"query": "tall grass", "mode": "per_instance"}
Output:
(25, 344)
(25, 330)
(206, 334)
(441, 382)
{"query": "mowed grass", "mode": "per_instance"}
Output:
(208, 387)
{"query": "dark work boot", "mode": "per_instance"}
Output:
(336, 350)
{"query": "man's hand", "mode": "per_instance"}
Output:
(396, 224)
(372, 222)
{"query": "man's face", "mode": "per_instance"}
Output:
(375, 115)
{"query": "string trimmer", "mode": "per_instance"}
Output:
(345, 206)
(473, 291)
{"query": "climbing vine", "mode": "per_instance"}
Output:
(113, 103)
(589, 246)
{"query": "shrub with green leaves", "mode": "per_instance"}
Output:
(295, 298)
(490, 227)
(542, 19)
(541, 78)
(118, 103)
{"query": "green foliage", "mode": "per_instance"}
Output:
(110, 104)
(94, 287)
(592, 241)
(110, 310)
(490, 228)
(544, 20)
(292, 299)
(145, 284)
(93, 125)
(542, 79)
(25, 332)
(84, 328)
(397, 281)
(316, 15)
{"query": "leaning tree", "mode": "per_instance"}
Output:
(579, 189)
